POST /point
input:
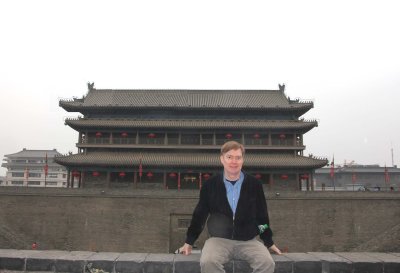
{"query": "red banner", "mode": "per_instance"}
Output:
(140, 168)
(46, 167)
(387, 177)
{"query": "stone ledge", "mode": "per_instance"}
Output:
(12, 260)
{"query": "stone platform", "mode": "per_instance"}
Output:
(81, 261)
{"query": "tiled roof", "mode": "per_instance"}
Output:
(34, 153)
(358, 169)
(109, 159)
(192, 123)
(203, 99)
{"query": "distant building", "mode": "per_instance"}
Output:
(2, 180)
(171, 138)
(358, 177)
(28, 168)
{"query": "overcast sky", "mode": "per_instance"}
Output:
(343, 55)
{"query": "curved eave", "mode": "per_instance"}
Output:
(118, 159)
(73, 106)
(126, 124)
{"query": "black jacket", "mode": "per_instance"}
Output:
(251, 211)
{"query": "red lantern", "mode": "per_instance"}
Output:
(172, 175)
(258, 176)
(124, 134)
(284, 176)
(98, 134)
(122, 174)
(282, 136)
(75, 174)
(228, 136)
(151, 135)
(149, 174)
(256, 135)
(206, 176)
(304, 176)
(95, 174)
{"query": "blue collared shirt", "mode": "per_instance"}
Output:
(233, 191)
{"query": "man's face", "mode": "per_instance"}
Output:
(233, 162)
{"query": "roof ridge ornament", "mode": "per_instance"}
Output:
(281, 87)
(90, 86)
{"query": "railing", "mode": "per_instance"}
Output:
(177, 145)
(357, 188)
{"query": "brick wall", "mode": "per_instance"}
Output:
(155, 221)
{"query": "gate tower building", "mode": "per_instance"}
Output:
(171, 138)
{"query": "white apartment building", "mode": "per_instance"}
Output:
(27, 168)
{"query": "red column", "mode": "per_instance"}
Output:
(82, 179)
(68, 178)
(200, 181)
(72, 180)
(179, 181)
(271, 180)
(300, 182)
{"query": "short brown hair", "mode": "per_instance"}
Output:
(231, 145)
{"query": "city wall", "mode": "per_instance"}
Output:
(48, 261)
(155, 221)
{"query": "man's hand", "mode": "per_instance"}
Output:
(275, 249)
(186, 249)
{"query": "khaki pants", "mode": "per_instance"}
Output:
(218, 251)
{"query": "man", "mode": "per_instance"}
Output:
(235, 206)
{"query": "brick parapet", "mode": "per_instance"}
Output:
(156, 221)
(82, 261)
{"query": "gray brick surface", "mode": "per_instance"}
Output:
(363, 263)
(130, 262)
(132, 213)
(72, 262)
(159, 263)
(283, 264)
(187, 263)
(103, 260)
(332, 263)
(43, 260)
(241, 266)
(11, 259)
(19, 261)
(229, 267)
(304, 263)
(391, 263)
